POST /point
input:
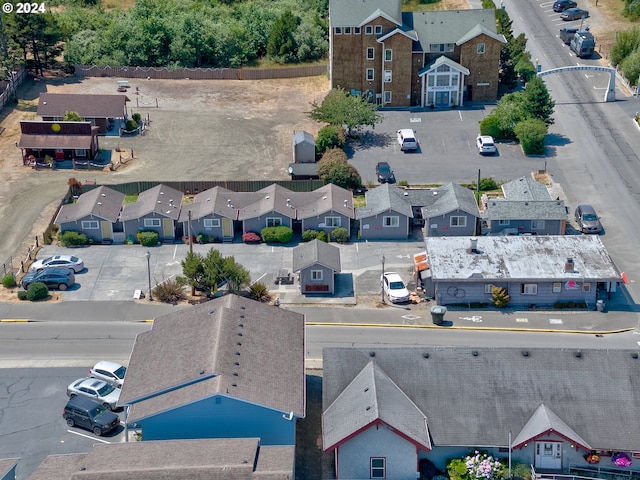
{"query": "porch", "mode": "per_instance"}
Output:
(589, 472)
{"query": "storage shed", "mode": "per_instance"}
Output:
(304, 147)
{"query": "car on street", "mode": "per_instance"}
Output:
(384, 173)
(562, 5)
(59, 278)
(486, 145)
(394, 287)
(407, 139)
(86, 413)
(574, 14)
(102, 392)
(109, 372)
(69, 261)
(567, 33)
(587, 219)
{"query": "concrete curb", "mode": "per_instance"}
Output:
(15, 320)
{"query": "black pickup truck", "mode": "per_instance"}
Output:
(566, 34)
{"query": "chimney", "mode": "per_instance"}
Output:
(474, 245)
(568, 266)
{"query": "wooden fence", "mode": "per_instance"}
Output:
(200, 73)
(6, 94)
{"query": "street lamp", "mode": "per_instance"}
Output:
(382, 281)
(148, 255)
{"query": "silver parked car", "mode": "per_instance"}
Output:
(103, 393)
(587, 219)
(394, 287)
(74, 263)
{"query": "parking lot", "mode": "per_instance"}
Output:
(115, 272)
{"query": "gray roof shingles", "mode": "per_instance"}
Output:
(316, 252)
(499, 389)
(161, 199)
(203, 338)
(385, 198)
(352, 13)
(525, 188)
(85, 105)
(450, 198)
(499, 209)
(102, 202)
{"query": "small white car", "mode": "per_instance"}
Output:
(74, 263)
(394, 287)
(407, 139)
(486, 145)
(109, 372)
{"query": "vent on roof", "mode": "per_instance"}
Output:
(406, 194)
(324, 198)
(368, 407)
(634, 355)
(267, 197)
(242, 308)
(372, 354)
(161, 193)
(241, 316)
(346, 203)
(435, 192)
(99, 203)
(235, 374)
(568, 266)
(103, 194)
(239, 334)
(474, 353)
(234, 384)
(239, 343)
(366, 389)
(201, 372)
(474, 245)
(238, 354)
(237, 364)
(525, 353)
(212, 312)
(289, 202)
(158, 201)
(241, 325)
(578, 354)
(425, 355)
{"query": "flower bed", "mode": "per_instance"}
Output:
(621, 460)
(316, 288)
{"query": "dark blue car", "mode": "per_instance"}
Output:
(53, 278)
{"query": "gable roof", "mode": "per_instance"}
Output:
(450, 198)
(161, 199)
(540, 257)
(325, 199)
(239, 459)
(370, 398)
(525, 188)
(63, 135)
(191, 354)
(544, 421)
(274, 198)
(316, 252)
(353, 13)
(302, 136)
(85, 105)
(498, 390)
(442, 60)
(215, 201)
(385, 198)
(102, 202)
(481, 30)
(448, 26)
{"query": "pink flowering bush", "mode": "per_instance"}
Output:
(621, 459)
(478, 466)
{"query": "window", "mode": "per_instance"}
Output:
(81, 152)
(556, 287)
(488, 287)
(211, 222)
(368, 30)
(369, 74)
(458, 221)
(378, 29)
(274, 222)
(450, 47)
(378, 469)
(586, 287)
(387, 96)
(152, 222)
(443, 68)
(388, 54)
(391, 221)
(480, 49)
(337, 31)
(316, 275)
(90, 225)
(370, 53)
(503, 222)
(537, 224)
(356, 30)
(387, 75)
(436, 47)
(442, 80)
(347, 30)
(332, 221)
(529, 289)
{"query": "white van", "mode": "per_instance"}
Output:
(407, 139)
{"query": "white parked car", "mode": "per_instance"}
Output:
(74, 263)
(109, 372)
(394, 287)
(103, 393)
(407, 139)
(486, 145)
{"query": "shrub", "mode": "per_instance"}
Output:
(9, 281)
(130, 126)
(499, 297)
(148, 238)
(37, 291)
(490, 125)
(309, 235)
(169, 291)
(530, 134)
(330, 136)
(280, 234)
(251, 237)
(204, 238)
(22, 295)
(340, 235)
(136, 117)
(71, 238)
(259, 291)
(403, 183)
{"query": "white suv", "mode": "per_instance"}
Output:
(407, 139)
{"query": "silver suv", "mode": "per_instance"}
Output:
(587, 219)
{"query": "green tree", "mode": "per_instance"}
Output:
(72, 117)
(206, 273)
(311, 41)
(538, 101)
(510, 111)
(631, 66)
(340, 108)
(330, 136)
(281, 44)
(530, 133)
(627, 41)
(193, 270)
(334, 168)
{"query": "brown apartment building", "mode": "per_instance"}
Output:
(401, 59)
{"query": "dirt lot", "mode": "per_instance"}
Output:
(199, 129)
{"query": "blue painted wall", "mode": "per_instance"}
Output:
(220, 417)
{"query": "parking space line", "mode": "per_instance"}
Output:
(90, 437)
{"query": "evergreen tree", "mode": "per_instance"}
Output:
(281, 44)
(538, 102)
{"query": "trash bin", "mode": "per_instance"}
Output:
(437, 314)
(600, 305)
